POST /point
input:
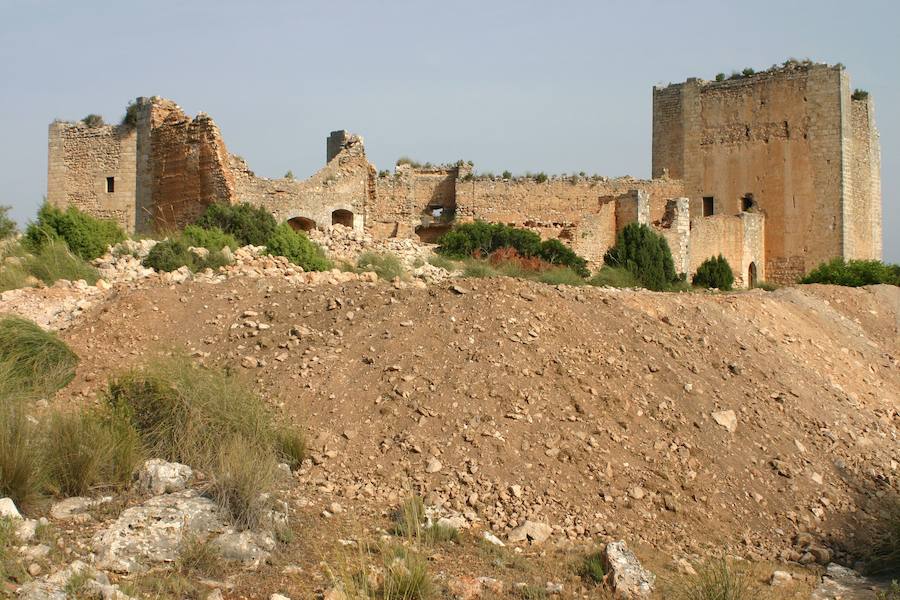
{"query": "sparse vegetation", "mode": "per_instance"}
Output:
(20, 455)
(247, 223)
(766, 286)
(410, 521)
(591, 568)
(892, 593)
(854, 273)
(93, 121)
(290, 446)
(714, 272)
(859, 94)
(298, 248)
(86, 236)
(720, 77)
(173, 253)
(407, 578)
(243, 471)
(289, 174)
(884, 553)
(211, 238)
(8, 227)
(645, 254)
(748, 72)
(196, 556)
(541, 178)
(53, 261)
(442, 262)
(716, 580)
(386, 265)
(531, 592)
(130, 118)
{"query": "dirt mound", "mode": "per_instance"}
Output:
(691, 423)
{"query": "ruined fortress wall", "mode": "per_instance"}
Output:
(775, 135)
(79, 161)
(406, 196)
(862, 187)
(736, 237)
(189, 165)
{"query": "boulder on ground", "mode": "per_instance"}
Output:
(530, 531)
(8, 509)
(628, 578)
(160, 477)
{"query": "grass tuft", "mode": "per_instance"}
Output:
(241, 475)
(592, 569)
(198, 556)
(33, 361)
(20, 455)
(290, 445)
(617, 277)
(407, 578)
(716, 580)
(386, 265)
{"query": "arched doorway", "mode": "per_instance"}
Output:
(342, 217)
(302, 224)
(751, 275)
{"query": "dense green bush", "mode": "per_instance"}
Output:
(481, 239)
(212, 238)
(714, 272)
(247, 223)
(86, 236)
(854, 273)
(645, 254)
(174, 253)
(296, 247)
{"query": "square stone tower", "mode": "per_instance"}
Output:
(794, 143)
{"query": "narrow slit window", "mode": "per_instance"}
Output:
(110, 185)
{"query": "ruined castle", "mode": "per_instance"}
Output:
(778, 171)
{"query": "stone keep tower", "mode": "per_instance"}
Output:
(794, 143)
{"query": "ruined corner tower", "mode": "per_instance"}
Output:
(795, 143)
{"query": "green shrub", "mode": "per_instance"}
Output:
(714, 272)
(20, 455)
(507, 175)
(247, 223)
(8, 227)
(89, 450)
(541, 178)
(130, 118)
(92, 121)
(53, 261)
(859, 94)
(645, 254)
(748, 72)
(481, 239)
(213, 238)
(713, 581)
(854, 273)
(720, 76)
(296, 247)
(33, 361)
(169, 255)
(617, 277)
(85, 236)
(592, 569)
(385, 265)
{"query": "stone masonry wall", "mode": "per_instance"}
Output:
(775, 135)
(862, 188)
(80, 159)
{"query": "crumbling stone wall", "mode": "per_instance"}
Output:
(81, 158)
(189, 165)
(785, 137)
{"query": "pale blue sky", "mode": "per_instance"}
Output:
(512, 84)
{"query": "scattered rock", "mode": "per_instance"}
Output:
(433, 466)
(530, 531)
(780, 578)
(727, 419)
(8, 509)
(160, 477)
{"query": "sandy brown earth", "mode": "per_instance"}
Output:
(600, 412)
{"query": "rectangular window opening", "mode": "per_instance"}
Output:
(110, 185)
(747, 202)
(708, 206)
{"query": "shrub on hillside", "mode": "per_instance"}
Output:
(717, 580)
(714, 272)
(617, 277)
(212, 238)
(211, 421)
(33, 361)
(8, 227)
(296, 247)
(854, 273)
(54, 261)
(645, 254)
(482, 239)
(169, 255)
(90, 450)
(86, 236)
(386, 265)
(247, 223)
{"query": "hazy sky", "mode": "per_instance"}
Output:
(512, 84)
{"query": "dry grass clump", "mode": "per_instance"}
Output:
(384, 572)
(410, 521)
(386, 265)
(212, 421)
(198, 556)
(20, 455)
(715, 580)
(90, 450)
(32, 361)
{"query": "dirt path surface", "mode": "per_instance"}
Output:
(688, 423)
